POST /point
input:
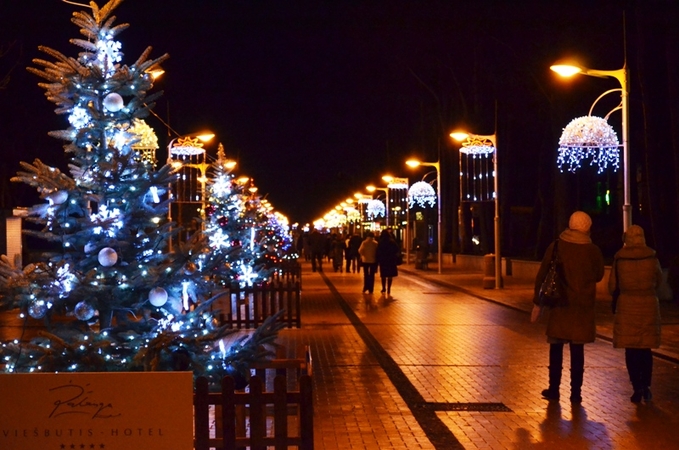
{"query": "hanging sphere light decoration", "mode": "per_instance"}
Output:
(83, 311)
(158, 296)
(588, 137)
(37, 309)
(375, 208)
(421, 194)
(113, 102)
(107, 257)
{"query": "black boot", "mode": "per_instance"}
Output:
(576, 385)
(552, 393)
(555, 365)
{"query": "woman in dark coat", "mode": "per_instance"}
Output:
(387, 256)
(572, 323)
(636, 273)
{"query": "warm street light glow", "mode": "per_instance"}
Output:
(566, 70)
(459, 135)
(388, 178)
(436, 165)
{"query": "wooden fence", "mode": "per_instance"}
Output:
(248, 307)
(260, 418)
(288, 271)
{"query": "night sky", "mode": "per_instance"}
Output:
(316, 99)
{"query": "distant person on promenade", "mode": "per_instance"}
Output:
(572, 322)
(353, 244)
(636, 274)
(387, 255)
(368, 251)
(317, 248)
(337, 248)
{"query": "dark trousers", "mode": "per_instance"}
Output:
(369, 271)
(317, 261)
(577, 366)
(639, 362)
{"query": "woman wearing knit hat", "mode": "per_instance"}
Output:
(636, 274)
(572, 322)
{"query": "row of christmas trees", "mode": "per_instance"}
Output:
(112, 297)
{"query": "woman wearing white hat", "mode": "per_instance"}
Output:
(572, 321)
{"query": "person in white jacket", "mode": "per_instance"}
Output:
(368, 251)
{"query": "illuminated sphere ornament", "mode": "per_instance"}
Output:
(83, 311)
(113, 102)
(588, 137)
(57, 198)
(421, 194)
(158, 296)
(107, 257)
(37, 309)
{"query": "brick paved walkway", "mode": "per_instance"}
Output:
(436, 366)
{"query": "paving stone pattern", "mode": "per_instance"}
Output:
(444, 364)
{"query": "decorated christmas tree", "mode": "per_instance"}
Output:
(241, 230)
(111, 297)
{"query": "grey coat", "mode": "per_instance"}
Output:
(637, 315)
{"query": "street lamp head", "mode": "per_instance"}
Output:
(459, 135)
(413, 163)
(205, 136)
(370, 188)
(388, 178)
(566, 70)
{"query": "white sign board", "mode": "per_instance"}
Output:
(103, 411)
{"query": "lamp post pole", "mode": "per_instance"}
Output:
(436, 165)
(482, 141)
(622, 75)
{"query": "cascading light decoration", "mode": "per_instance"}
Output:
(421, 194)
(375, 208)
(588, 137)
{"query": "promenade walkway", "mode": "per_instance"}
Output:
(446, 364)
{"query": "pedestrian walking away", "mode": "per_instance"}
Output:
(634, 278)
(387, 256)
(572, 322)
(368, 250)
(317, 247)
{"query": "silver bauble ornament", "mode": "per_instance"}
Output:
(37, 309)
(107, 257)
(158, 296)
(58, 197)
(113, 102)
(83, 311)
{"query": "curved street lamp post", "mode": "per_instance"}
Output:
(478, 143)
(436, 165)
(622, 75)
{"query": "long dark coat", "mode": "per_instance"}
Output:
(637, 314)
(387, 257)
(583, 267)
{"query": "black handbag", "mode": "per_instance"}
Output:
(552, 292)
